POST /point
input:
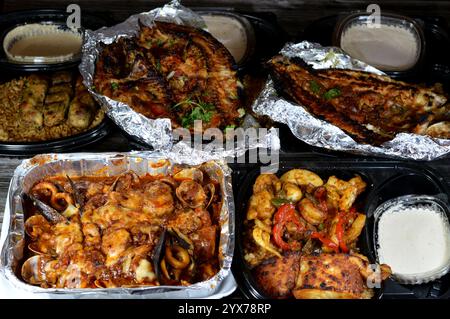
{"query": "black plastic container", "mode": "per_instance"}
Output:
(11, 19)
(64, 144)
(385, 180)
(10, 71)
(60, 145)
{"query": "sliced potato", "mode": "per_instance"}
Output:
(262, 238)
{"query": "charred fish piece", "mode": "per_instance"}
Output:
(371, 108)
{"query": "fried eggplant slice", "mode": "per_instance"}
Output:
(336, 276)
(371, 108)
(276, 277)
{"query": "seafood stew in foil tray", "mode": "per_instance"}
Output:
(164, 227)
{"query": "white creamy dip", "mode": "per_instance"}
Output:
(388, 48)
(42, 43)
(229, 32)
(413, 241)
(47, 45)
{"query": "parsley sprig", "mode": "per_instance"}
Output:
(199, 111)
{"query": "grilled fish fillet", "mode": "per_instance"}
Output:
(371, 108)
(336, 276)
(276, 277)
(318, 276)
(33, 99)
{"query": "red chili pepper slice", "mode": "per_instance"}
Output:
(277, 237)
(285, 214)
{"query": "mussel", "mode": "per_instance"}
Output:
(79, 199)
(193, 174)
(34, 269)
(194, 195)
(125, 181)
(48, 212)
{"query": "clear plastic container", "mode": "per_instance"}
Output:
(43, 43)
(234, 31)
(404, 205)
(394, 43)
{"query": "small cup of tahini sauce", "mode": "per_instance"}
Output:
(412, 236)
(395, 44)
(43, 43)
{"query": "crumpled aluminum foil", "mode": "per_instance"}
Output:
(316, 132)
(110, 164)
(156, 133)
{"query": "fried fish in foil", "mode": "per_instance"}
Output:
(171, 71)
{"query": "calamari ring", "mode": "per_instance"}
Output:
(177, 257)
(46, 186)
(55, 200)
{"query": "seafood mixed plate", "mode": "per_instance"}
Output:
(118, 224)
(300, 237)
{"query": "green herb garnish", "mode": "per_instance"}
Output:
(114, 86)
(229, 127)
(277, 202)
(315, 87)
(158, 66)
(331, 94)
(160, 42)
(200, 111)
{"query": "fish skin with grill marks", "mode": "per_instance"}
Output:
(371, 108)
(169, 70)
